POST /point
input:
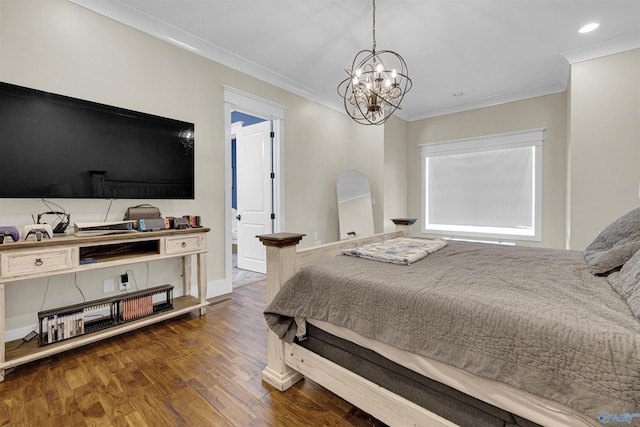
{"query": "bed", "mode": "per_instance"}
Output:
(482, 335)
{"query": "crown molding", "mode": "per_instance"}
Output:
(138, 20)
(491, 101)
(610, 47)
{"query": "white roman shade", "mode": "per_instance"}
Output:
(487, 186)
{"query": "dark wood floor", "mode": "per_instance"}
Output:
(189, 371)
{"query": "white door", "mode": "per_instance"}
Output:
(253, 169)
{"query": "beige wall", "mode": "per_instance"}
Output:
(395, 171)
(604, 122)
(56, 46)
(541, 112)
(320, 146)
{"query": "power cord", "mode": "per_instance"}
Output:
(75, 282)
(108, 210)
(135, 282)
(34, 333)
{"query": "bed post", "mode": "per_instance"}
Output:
(404, 225)
(281, 264)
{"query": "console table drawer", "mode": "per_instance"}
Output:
(176, 245)
(34, 262)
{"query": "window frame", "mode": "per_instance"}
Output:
(520, 139)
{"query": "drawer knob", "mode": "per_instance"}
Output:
(184, 244)
(39, 262)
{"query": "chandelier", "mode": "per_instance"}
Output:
(377, 83)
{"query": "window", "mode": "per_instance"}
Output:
(488, 186)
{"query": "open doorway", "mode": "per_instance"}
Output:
(257, 208)
(251, 194)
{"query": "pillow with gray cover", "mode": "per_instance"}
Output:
(626, 282)
(614, 245)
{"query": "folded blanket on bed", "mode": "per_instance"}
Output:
(401, 250)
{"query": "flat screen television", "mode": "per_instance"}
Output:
(57, 146)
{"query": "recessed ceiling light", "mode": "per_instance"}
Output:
(588, 28)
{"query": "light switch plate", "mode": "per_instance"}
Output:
(109, 285)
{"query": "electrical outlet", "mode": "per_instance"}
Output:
(124, 281)
(109, 285)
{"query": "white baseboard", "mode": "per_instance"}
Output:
(217, 288)
(16, 334)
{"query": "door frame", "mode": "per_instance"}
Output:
(237, 100)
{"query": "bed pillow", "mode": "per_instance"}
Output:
(614, 245)
(626, 282)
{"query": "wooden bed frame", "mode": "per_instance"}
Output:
(288, 363)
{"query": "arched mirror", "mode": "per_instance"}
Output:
(355, 214)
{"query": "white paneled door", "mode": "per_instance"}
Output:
(254, 179)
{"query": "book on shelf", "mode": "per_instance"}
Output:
(60, 327)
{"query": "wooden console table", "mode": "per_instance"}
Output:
(62, 255)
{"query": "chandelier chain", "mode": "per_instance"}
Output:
(374, 26)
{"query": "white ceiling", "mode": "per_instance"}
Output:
(492, 51)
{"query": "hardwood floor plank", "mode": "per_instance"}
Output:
(188, 371)
(135, 419)
(298, 412)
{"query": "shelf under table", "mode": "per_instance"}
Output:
(20, 354)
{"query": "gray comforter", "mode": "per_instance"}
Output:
(536, 319)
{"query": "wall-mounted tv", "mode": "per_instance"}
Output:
(56, 146)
